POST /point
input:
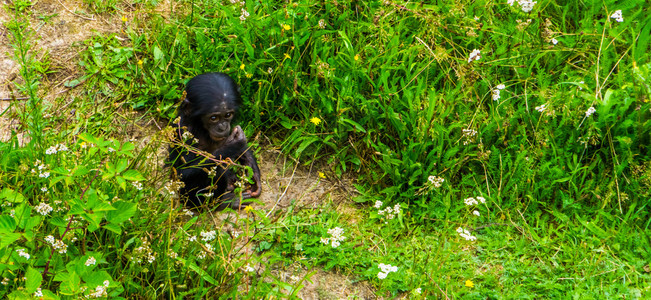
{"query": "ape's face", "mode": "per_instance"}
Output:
(218, 122)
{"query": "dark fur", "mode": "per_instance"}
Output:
(212, 94)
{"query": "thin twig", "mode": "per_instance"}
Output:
(78, 15)
(284, 192)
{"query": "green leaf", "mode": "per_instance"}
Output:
(7, 224)
(11, 195)
(201, 272)
(113, 228)
(133, 175)
(7, 238)
(123, 211)
(34, 279)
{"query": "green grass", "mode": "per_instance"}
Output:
(567, 193)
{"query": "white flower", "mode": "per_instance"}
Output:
(418, 291)
(245, 14)
(500, 86)
(270, 70)
(617, 15)
(481, 199)
(137, 185)
(496, 94)
(510, 2)
(21, 252)
(541, 108)
(322, 24)
(43, 208)
(109, 149)
(554, 41)
(248, 268)
(385, 270)
(476, 213)
(38, 293)
(378, 204)
(208, 236)
(435, 181)
(106, 283)
(44, 175)
(476, 18)
(474, 55)
(336, 237)
(51, 150)
(44, 189)
(49, 239)
(590, 111)
(465, 234)
(90, 261)
(470, 201)
(527, 6)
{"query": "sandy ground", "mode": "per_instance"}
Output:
(59, 26)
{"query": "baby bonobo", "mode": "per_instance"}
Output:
(211, 105)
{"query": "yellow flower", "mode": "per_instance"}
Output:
(321, 175)
(287, 27)
(242, 66)
(469, 283)
(140, 62)
(315, 121)
(124, 18)
(287, 56)
(248, 209)
(249, 75)
(357, 57)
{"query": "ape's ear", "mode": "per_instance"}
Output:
(185, 107)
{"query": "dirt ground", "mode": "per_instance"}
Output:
(70, 22)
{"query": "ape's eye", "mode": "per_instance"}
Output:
(213, 118)
(228, 115)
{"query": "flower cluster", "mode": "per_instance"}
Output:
(474, 55)
(56, 148)
(90, 261)
(143, 251)
(58, 245)
(617, 15)
(496, 91)
(541, 108)
(322, 24)
(466, 234)
(435, 181)
(21, 252)
(38, 293)
(208, 236)
(590, 111)
(336, 237)
(173, 187)
(43, 208)
(525, 5)
(248, 268)
(468, 135)
(389, 212)
(100, 290)
(42, 172)
(385, 270)
(474, 201)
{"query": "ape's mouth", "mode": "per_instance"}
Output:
(217, 138)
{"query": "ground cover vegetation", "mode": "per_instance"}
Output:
(500, 150)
